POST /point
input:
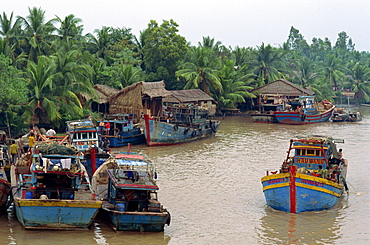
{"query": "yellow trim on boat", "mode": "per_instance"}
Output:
(309, 147)
(57, 203)
(315, 188)
(275, 176)
(276, 186)
(318, 179)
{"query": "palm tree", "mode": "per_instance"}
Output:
(72, 76)
(200, 70)
(359, 76)
(69, 27)
(101, 43)
(37, 33)
(331, 68)
(304, 71)
(42, 102)
(128, 75)
(234, 86)
(268, 67)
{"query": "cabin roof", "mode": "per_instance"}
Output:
(283, 87)
(187, 96)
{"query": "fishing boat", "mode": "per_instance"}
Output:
(182, 123)
(304, 111)
(339, 115)
(53, 190)
(354, 117)
(126, 184)
(84, 136)
(124, 130)
(311, 178)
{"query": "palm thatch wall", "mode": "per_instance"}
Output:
(141, 97)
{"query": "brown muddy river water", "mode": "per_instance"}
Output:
(213, 191)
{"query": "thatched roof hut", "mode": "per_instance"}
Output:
(282, 87)
(141, 97)
(188, 96)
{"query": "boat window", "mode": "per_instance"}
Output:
(153, 195)
(311, 152)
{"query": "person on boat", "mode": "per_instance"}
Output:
(51, 132)
(101, 127)
(319, 172)
(31, 142)
(105, 144)
(340, 154)
(107, 128)
(325, 173)
(14, 152)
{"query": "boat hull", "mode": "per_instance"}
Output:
(297, 118)
(162, 133)
(136, 221)
(4, 194)
(55, 214)
(264, 118)
(133, 137)
(300, 192)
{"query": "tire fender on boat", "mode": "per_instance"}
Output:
(175, 127)
(186, 130)
(213, 127)
(194, 133)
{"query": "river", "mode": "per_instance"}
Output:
(213, 191)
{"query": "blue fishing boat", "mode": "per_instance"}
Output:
(183, 123)
(313, 178)
(124, 130)
(126, 183)
(84, 136)
(305, 111)
(54, 193)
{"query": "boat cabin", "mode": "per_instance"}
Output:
(83, 134)
(54, 176)
(185, 114)
(133, 190)
(310, 153)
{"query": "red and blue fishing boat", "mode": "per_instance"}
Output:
(312, 177)
(305, 111)
(126, 184)
(183, 123)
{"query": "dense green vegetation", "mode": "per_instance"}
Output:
(46, 64)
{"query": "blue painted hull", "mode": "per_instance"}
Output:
(133, 137)
(311, 193)
(137, 221)
(56, 214)
(100, 159)
(162, 133)
(287, 117)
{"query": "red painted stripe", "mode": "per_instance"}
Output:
(293, 199)
(153, 187)
(147, 128)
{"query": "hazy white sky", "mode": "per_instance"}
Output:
(243, 23)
